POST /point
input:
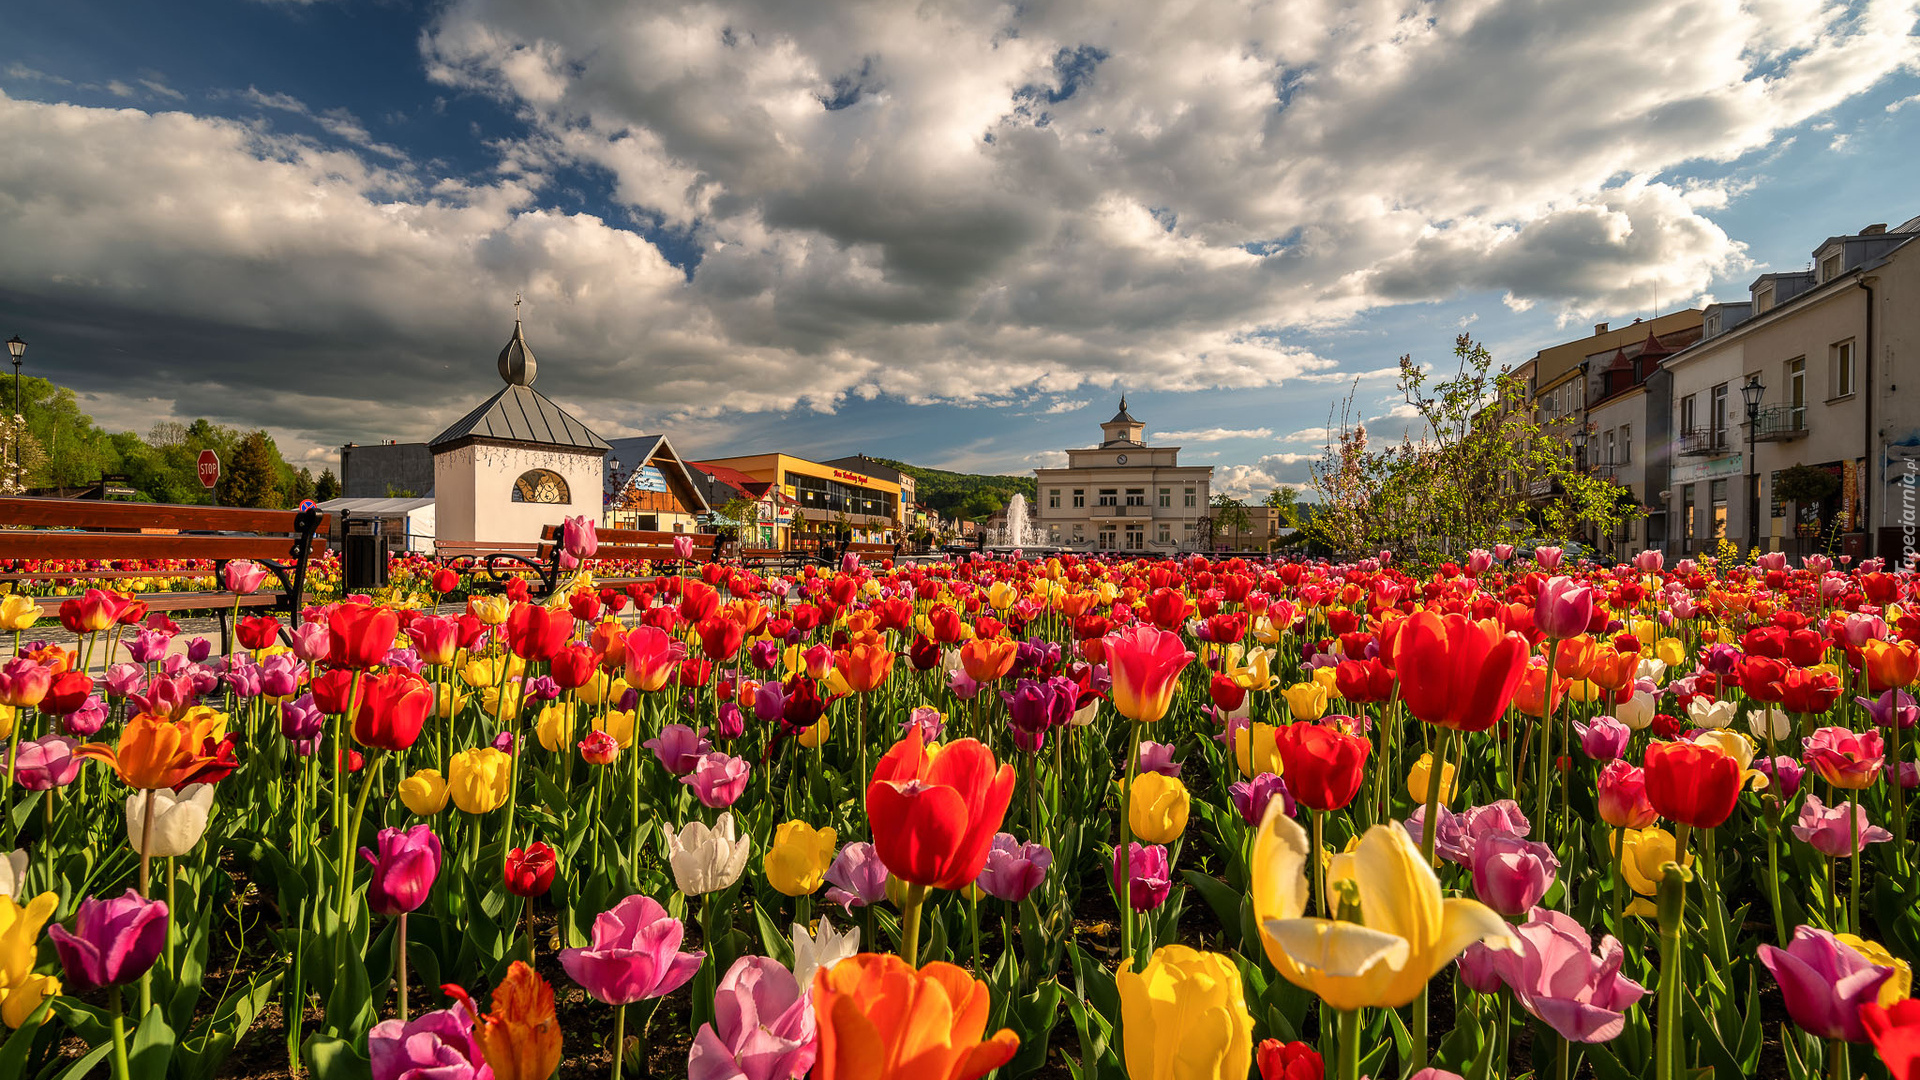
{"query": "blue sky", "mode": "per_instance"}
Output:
(951, 235)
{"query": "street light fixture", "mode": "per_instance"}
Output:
(18, 349)
(1751, 393)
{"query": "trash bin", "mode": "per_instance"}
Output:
(363, 561)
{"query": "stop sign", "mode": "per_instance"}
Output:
(209, 469)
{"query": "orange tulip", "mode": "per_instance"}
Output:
(865, 666)
(1890, 664)
(1612, 669)
(986, 659)
(1575, 658)
(158, 753)
(1530, 693)
(879, 1018)
(520, 1038)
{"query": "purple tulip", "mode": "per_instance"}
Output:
(1824, 983)
(1722, 659)
(764, 654)
(46, 763)
(1783, 774)
(634, 955)
(1455, 835)
(1251, 797)
(406, 660)
(1510, 875)
(199, 649)
(718, 779)
(1151, 876)
(858, 876)
(1827, 828)
(432, 1046)
(770, 702)
(148, 646)
(1477, 969)
(1891, 708)
(1605, 739)
(1158, 758)
(540, 688)
(301, 720)
(678, 748)
(928, 720)
(86, 720)
(112, 943)
(1554, 975)
(730, 723)
(962, 685)
(1034, 707)
(403, 870)
(1013, 869)
(504, 742)
(762, 1029)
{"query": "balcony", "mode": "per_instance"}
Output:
(1780, 423)
(1701, 442)
(1109, 510)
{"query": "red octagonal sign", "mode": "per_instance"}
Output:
(209, 468)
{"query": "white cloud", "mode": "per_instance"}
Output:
(1315, 435)
(1066, 406)
(1214, 434)
(1252, 482)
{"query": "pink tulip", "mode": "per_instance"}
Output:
(1548, 558)
(1622, 800)
(762, 1029)
(149, 645)
(112, 943)
(1503, 552)
(432, 1046)
(1563, 608)
(87, 720)
(634, 955)
(435, 638)
(679, 748)
(858, 877)
(1580, 994)
(311, 642)
(1828, 830)
(850, 563)
(24, 683)
(1824, 983)
(46, 763)
(1650, 561)
(1151, 876)
(243, 576)
(1844, 758)
(404, 869)
(1773, 560)
(578, 538)
(1510, 875)
(718, 779)
(1157, 758)
(1014, 869)
(1605, 739)
(1479, 560)
(683, 547)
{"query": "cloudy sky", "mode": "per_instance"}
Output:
(947, 232)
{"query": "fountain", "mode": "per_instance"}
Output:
(1019, 531)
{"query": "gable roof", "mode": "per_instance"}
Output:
(520, 414)
(639, 451)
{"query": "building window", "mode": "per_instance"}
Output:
(1053, 498)
(1717, 506)
(540, 486)
(1077, 535)
(1166, 534)
(1136, 496)
(1191, 499)
(1626, 444)
(1612, 449)
(1136, 537)
(1842, 369)
(1830, 267)
(1079, 497)
(1718, 416)
(1109, 497)
(1687, 417)
(1166, 497)
(1763, 300)
(1686, 512)
(1797, 393)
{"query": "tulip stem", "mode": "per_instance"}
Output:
(1318, 817)
(1853, 827)
(1349, 1021)
(1546, 742)
(1125, 891)
(619, 1037)
(344, 877)
(400, 963)
(1837, 1059)
(910, 925)
(1673, 910)
(121, 1070)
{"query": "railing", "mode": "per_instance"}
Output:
(1701, 442)
(1780, 423)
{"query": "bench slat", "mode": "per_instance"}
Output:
(100, 514)
(51, 545)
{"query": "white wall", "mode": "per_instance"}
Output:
(473, 491)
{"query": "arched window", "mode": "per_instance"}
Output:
(540, 486)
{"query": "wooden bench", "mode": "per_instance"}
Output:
(627, 545)
(282, 541)
(491, 557)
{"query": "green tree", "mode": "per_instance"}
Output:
(1286, 500)
(301, 488)
(1230, 516)
(250, 478)
(327, 487)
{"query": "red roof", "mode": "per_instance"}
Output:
(726, 475)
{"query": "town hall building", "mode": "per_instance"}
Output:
(1125, 495)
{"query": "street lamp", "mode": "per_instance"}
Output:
(18, 349)
(1580, 461)
(1751, 393)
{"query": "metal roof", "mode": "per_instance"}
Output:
(373, 507)
(1123, 416)
(521, 414)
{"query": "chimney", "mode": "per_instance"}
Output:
(1874, 230)
(1599, 328)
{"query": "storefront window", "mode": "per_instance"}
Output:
(1717, 498)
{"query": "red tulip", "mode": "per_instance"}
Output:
(1145, 664)
(393, 706)
(360, 635)
(530, 870)
(535, 633)
(584, 606)
(330, 691)
(1363, 681)
(1807, 691)
(935, 809)
(720, 637)
(258, 631)
(445, 580)
(573, 666)
(67, 693)
(1323, 766)
(1454, 672)
(1895, 1033)
(1692, 784)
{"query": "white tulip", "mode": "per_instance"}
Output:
(1766, 716)
(1637, 711)
(13, 873)
(179, 819)
(1652, 667)
(811, 953)
(708, 860)
(1710, 714)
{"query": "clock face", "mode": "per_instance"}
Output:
(1121, 460)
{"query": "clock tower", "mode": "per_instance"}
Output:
(1124, 495)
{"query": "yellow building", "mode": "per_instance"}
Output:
(824, 499)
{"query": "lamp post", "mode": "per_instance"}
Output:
(18, 349)
(1580, 460)
(1751, 393)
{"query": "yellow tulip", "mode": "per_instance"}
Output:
(1258, 672)
(491, 610)
(480, 671)
(554, 729)
(6, 721)
(478, 778)
(796, 863)
(513, 693)
(1326, 677)
(425, 792)
(1260, 745)
(1646, 851)
(1421, 773)
(19, 947)
(837, 685)
(1264, 631)
(1406, 931)
(18, 612)
(603, 689)
(1584, 690)
(1158, 808)
(451, 700)
(1185, 1016)
(1739, 748)
(1306, 700)
(1896, 989)
(18, 1002)
(617, 724)
(813, 736)
(1001, 595)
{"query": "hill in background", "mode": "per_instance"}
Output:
(968, 495)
